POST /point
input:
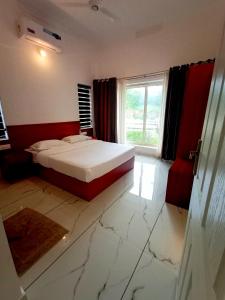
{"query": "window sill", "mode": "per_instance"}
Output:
(146, 150)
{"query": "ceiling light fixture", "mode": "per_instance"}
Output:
(42, 53)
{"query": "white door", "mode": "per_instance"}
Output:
(202, 272)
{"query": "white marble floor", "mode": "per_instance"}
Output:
(125, 244)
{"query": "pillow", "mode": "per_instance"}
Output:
(76, 138)
(45, 145)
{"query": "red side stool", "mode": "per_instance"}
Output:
(179, 186)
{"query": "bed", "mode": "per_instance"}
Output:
(85, 168)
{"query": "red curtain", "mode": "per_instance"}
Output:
(194, 106)
(105, 109)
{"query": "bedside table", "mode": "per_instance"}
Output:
(16, 164)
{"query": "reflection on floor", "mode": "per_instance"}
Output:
(126, 244)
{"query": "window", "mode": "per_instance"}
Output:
(3, 131)
(85, 109)
(142, 112)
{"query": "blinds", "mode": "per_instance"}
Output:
(84, 100)
(3, 132)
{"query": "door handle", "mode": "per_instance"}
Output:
(195, 154)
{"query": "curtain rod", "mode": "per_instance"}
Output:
(161, 72)
(143, 75)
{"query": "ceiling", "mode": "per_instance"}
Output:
(137, 18)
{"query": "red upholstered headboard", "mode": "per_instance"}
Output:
(22, 136)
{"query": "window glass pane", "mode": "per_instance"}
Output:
(134, 115)
(141, 112)
(154, 106)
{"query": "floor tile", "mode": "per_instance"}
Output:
(153, 280)
(156, 273)
(130, 216)
(98, 266)
(167, 239)
(41, 200)
(14, 192)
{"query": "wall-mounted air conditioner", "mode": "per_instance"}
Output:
(39, 35)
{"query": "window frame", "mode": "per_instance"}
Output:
(6, 137)
(87, 102)
(145, 82)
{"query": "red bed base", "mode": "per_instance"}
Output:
(82, 189)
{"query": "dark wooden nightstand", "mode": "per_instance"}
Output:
(16, 164)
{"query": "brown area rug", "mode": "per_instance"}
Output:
(31, 235)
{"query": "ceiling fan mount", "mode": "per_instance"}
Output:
(95, 5)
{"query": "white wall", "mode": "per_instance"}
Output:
(184, 41)
(37, 90)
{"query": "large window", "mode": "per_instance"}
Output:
(144, 111)
(85, 109)
(3, 131)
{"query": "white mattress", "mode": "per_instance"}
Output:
(85, 160)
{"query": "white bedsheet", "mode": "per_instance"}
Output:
(85, 160)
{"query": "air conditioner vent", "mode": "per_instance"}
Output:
(39, 35)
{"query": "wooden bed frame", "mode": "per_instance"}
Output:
(22, 136)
